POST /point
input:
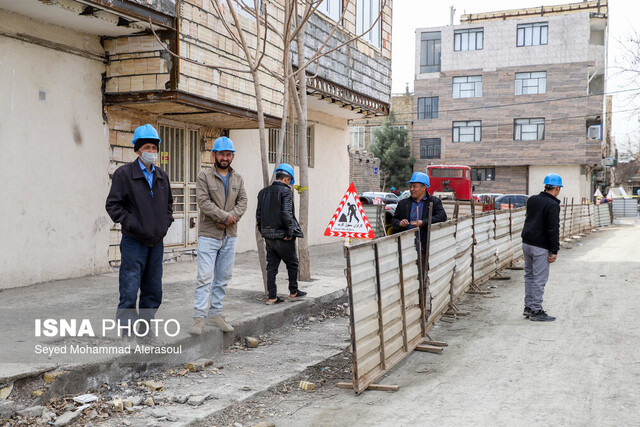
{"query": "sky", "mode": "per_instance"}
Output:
(411, 14)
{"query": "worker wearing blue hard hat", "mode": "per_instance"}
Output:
(140, 201)
(277, 223)
(540, 245)
(222, 201)
(413, 212)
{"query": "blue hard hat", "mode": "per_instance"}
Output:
(553, 179)
(286, 168)
(145, 132)
(419, 177)
(638, 192)
(223, 144)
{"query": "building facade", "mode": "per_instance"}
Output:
(78, 76)
(364, 168)
(515, 95)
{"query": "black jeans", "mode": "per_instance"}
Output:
(285, 250)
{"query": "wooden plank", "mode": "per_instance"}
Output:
(374, 387)
(402, 298)
(429, 348)
(437, 343)
(381, 321)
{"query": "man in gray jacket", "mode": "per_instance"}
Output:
(222, 201)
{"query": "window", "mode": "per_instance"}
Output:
(467, 87)
(430, 148)
(367, 12)
(331, 8)
(533, 34)
(528, 129)
(430, 52)
(356, 140)
(428, 108)
(483, 174)
(531, 83)
(467, 131)
(290, 152)
(472, 39)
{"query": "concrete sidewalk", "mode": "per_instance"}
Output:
(96, 297)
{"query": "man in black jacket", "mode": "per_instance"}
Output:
(540, 245)
(140, 200)
(413, 212)
(276, 221)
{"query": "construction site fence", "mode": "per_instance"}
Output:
(396, 296)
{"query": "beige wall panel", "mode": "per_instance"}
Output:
(56, 157)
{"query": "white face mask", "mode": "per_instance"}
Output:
(148, 158)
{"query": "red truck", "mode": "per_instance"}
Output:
(450, 179)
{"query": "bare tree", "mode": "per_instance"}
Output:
(294, 80)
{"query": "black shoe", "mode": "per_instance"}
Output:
(298, 294)
(527, 312)
(541, 316)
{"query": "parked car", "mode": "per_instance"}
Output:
(404, 195)
(387, 198)
(511, 200)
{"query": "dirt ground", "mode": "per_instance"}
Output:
(500, 369)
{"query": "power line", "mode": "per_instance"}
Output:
(511, 122)
(542, 101)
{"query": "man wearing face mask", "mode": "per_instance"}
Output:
(222, 201)
(140, 201)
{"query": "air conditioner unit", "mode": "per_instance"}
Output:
(594, 132)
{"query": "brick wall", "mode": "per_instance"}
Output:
(361, 171)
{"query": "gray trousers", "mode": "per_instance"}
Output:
(536, 274)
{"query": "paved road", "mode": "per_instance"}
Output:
(500, 369)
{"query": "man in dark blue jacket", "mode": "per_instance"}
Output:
(140, 200)
(413, 212)
(540, 245)
(276, 221)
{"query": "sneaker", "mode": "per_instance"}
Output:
(298, 294)
(541, 316)
(527, 312)
(220, 323)
(197, 327)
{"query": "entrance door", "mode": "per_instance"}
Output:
(180, 158)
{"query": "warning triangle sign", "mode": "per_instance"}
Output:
(350, 219)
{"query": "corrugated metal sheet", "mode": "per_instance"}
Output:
(386, 293)
(602, 215)
(375, 215)
(386, 314)
(442, 261)
(625, 207)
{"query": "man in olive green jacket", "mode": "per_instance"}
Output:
(222, 201)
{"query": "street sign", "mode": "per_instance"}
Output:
(350, 219)
(375, 171)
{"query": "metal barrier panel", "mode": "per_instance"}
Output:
(625, 207)
(462, 277)
(442, 261)
(484, 263)
(387, 317)
(503, 238)
(375, 215)
(602, 215)
(517, 221)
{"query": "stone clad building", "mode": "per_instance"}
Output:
(515, 94)
(78, 76)
(364, 168)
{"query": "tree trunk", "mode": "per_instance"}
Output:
(304, 270)
(262, 130)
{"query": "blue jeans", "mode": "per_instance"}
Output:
(140, 270)
(215, 267)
